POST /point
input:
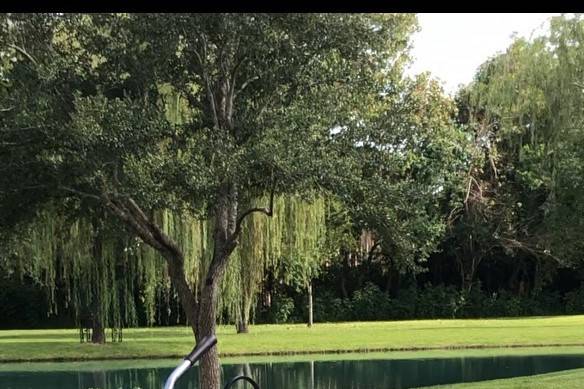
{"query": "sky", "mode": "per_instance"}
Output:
(452, 46)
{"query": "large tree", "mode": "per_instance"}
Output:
(83, 120)
(524, 193)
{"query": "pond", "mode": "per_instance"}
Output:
(320, 374)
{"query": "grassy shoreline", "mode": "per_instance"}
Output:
(568, 379)
(92, 365)
(332, 338)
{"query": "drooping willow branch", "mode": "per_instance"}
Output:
(130, 213)
(127, 210)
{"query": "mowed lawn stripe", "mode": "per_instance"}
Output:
(569, 379)
(16, 345)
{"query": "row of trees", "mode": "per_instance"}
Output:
(524, 185)
(241, 150)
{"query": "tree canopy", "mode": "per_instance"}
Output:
(268, 105)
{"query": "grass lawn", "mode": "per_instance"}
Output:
(570, 379)
(44, 345)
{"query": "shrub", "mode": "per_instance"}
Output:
(370, 303)
(433, 302)
(281, 310)
(574, 301)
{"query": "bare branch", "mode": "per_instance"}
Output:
(155, 230)
(124, 214)
(210, 95)
(514, 243)
(245, 84)
(233, 82)
(20, 129)
(31, 187)
(25, 53)
(467, 192)
(372, 250)
(269, 211)
(80, 193)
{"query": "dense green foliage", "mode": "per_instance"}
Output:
(370, 303)
(281, 152)
(265, 105)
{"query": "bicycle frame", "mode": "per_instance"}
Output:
(191, 360)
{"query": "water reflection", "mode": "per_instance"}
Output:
(346, 374)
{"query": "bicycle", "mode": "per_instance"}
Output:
(193, 357)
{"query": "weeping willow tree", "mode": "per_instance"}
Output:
(88, 266)
(304, 246)
(289, 245)
(524, 193)
(100, 269)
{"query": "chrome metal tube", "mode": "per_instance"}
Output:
(191, 359)
(176, 373)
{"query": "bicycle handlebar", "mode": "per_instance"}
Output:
(201, 348)
(190, 360)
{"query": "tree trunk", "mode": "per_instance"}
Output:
(468, 269)
(223, 246)
(201, 309)
(97, 330)
(467, 278)
(210, 373)
(344, 272)
(98, 334)
(201, 315)
(242, 325)
(243, 321)
(310, 310)
(465, 282)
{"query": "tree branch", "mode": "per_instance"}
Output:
(267, 211)
(210, 95)
(134, 217)
(523, 246)
(124, 214)
(245, 84)
(155, 230)
(20, 129)
(80, 193)
(23, 52)
(232, 93)
(174, 259)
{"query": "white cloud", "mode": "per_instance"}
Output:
(452, 46)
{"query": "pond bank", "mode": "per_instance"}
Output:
(286, 340)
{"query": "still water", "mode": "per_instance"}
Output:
(342, 374)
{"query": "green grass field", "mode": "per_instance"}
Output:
(45, 345)
(570, 379)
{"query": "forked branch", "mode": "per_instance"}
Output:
(268, 211)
